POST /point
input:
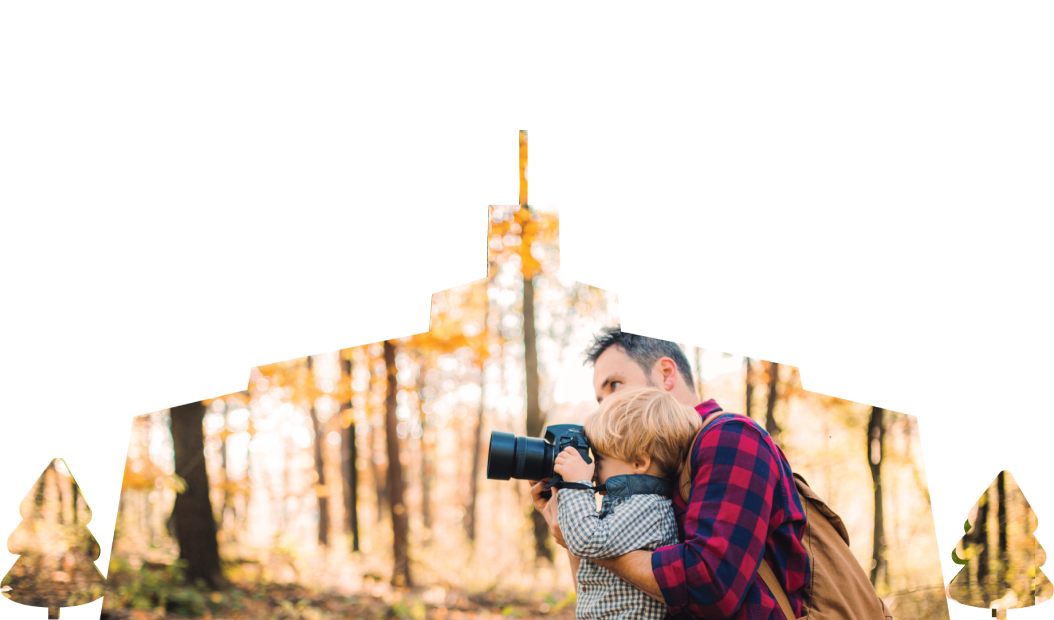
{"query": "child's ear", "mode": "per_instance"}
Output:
(641, 463)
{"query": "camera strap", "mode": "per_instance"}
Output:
(626, 485)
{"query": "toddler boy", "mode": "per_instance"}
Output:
(640, 438)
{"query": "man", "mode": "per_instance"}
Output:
(744, 507)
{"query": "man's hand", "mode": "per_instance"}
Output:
(548, 509)
(572, 466)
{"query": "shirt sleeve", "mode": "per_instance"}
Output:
(726, 524)
(635, 522)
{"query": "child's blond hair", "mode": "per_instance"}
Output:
(636, 421)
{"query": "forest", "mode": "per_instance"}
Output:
(351, 483)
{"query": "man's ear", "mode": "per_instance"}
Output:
(641, 463)
(668, 370)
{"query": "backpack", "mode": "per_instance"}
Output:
(839, 589)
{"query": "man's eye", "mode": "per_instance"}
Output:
(615, 385)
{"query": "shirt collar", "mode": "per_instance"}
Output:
(708, 407)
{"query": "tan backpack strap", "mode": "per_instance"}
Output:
(769, 577)
(685, 481)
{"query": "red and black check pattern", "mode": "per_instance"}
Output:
(743, 507)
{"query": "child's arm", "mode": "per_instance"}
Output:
(638, 522)
(574, 567)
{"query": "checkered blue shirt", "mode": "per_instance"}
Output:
(624, 524)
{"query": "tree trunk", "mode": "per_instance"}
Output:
(876, 431)
(40, 494)
(980, 532)
(477, 446)
(349, 457)
(535, 421)
(321, 490)
(287, 467)
(749, 380)
(228, 502)
(73, 499)
(473, 488)
(144, 514)
(378, 481)
(770, 407)
(61, 514)
(248, 478)
(699, 373)
(1004, 558)
(194, 521)
(400, 521)
(426, 463)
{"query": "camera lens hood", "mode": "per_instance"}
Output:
(501, 459)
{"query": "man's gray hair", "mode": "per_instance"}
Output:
(641, 349)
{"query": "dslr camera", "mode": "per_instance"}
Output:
(530, 458)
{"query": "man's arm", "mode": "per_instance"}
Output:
(635, 569)
(726, 523)
(637, 522)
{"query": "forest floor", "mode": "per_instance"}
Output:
(153, 597)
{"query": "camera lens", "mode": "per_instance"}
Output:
(501, 459)
(522, 458)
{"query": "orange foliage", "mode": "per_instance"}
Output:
(516, 232)
(523, 168)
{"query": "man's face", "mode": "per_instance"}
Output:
(614, 370)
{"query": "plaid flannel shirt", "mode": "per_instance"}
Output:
(642, 521)
(744, 507)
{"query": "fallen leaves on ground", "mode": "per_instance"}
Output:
(153, 597)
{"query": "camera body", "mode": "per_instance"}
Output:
(568, 436)
(530, 458)
(565, 436)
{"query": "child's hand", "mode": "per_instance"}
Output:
(572, 467)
